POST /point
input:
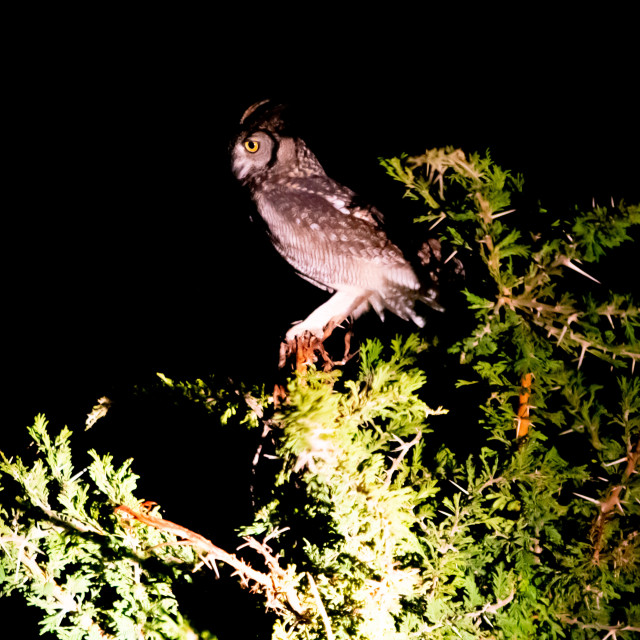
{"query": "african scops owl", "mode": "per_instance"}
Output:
(321, 228)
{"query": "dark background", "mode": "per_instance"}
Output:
(127, 245)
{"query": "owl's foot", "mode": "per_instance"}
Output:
(306, 339)
(304, 349)
(307, 348)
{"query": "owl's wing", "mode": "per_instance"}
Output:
(329, 242)
(340, 197)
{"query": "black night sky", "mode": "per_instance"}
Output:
(128, 247)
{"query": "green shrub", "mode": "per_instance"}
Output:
(511, 511)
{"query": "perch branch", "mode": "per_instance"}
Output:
(275, 584)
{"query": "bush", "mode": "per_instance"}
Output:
(499, 501)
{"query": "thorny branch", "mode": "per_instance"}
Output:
(576, 337)
(276, 585)
(612, 502)
(601, 627)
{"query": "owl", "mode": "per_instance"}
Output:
(322, 229)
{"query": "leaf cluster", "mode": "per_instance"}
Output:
(63, 547)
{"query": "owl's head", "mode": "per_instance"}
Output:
(266, 146)
(253, 154)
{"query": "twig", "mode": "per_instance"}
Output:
(488, 483)
(492, 608)
(320, 605)
(404, 448)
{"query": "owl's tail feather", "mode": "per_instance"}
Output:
(353, 302)
(401, 302)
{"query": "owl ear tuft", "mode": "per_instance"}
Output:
(264, 114)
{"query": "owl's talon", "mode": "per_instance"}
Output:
(303, 346)
(307, 347)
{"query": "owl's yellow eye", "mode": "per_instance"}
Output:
(251, 145)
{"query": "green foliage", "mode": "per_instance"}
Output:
(372, 521)
(527, 287)
(64, 548)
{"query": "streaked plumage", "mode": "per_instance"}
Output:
(321, 228)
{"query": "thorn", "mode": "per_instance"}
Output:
(612, 203)
(502, 213)
(213, 566)
(564, 330)
(459, 487)
(587, 498)
(593, 203)
(453, 253)
(567, 263)
(584, 349)
(78, 475)
(438, 221)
